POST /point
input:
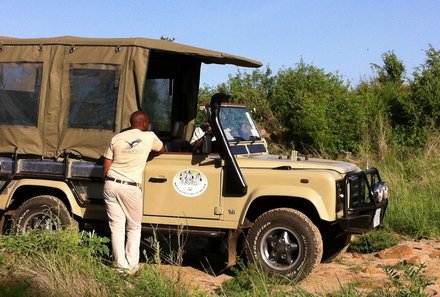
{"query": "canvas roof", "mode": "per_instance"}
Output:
(204, 55)
(49, 84)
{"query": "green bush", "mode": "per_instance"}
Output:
(314, 111)
(317, 110)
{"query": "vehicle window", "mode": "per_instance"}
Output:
(20, 85)
(157, 103)
(93, 96)
(238, 124)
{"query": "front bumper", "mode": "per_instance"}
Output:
(362, 210)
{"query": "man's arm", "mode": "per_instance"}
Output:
(156, 144)
(161, 150)
(157, 153)
(106, 167)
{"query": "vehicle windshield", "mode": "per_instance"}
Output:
(238, 124)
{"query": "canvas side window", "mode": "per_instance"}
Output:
(20, 85)
(158, 102)
(93, 96)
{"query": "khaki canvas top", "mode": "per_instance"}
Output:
(204, 55)
(71, 94)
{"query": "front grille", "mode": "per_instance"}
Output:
(357, 189)
(358, 192)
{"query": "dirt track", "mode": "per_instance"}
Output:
(364, 269)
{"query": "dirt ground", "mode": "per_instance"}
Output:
(364, 269)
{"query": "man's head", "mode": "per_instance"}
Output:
(207, 127)
(245, 128)
(139, 120)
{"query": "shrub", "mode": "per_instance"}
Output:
(373, 241)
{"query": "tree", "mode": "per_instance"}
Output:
(387, 98)
(426, 90)
(254, 90)
(317, 110)
(392, 71)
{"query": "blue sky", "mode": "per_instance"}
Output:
(339, 36)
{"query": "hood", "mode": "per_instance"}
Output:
(273, 161)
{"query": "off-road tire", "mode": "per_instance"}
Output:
(284, 241)
(43, 212)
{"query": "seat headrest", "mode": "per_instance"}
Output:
(178, 130)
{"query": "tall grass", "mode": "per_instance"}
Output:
(414, 181)
(68, 263)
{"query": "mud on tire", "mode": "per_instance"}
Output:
(43, 213)
(284, 241)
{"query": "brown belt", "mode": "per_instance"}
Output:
(122, 181)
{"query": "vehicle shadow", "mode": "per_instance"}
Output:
(206, 254)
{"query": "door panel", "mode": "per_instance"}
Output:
(182, 185)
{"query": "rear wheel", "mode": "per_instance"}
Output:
(284, 241)
(42, 213)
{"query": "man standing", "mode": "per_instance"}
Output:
(125, 159)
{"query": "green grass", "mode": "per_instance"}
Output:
(403, 280)
(250, 281)
(373, 241)
(414, 206)
(68, 263)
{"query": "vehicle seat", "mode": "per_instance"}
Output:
(178, 143)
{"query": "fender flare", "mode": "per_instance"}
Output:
(293, 192)
(59, 185)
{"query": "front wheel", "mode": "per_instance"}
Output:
(42, 213)
(284, 241)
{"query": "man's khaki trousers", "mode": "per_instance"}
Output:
(124, 211)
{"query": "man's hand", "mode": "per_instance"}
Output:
(106, 167)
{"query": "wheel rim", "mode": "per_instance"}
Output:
(40, 221)
(280, 248)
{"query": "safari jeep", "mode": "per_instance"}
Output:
(61, 101)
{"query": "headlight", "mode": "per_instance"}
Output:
(385, 191)
(380, 191)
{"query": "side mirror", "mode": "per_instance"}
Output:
(207, 144)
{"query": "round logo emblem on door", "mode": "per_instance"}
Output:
(190, 182)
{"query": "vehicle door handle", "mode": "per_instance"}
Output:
(158, 180)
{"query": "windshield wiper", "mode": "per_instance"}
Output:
(254, 138)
